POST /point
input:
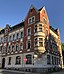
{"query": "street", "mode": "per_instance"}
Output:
(19, 72)
(61, 72)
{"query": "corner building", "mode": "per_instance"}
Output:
(32, 45)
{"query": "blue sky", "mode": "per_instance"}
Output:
(14, 11)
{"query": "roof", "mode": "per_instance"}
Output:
(13, 27)
(17, 26)
(54, 30)
(40, 9)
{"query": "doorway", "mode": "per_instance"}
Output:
(3, 62)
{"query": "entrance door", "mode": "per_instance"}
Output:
(3, 62)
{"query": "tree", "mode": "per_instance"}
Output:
(62, 45)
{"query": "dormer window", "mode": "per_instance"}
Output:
(31, 20)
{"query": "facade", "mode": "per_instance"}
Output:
(32, 44)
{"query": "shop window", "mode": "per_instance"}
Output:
(29, 59)
(18, 60)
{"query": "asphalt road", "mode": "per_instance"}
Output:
(5, 72)
(17, 72)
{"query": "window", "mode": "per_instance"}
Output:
(17, 47)
(28, 44)
(0, 48)
(29, 32)
(17, 35)
(36, 42)
(18, 60)
(29, 20)
(21, 34)
(35, 30)
(33, 19)
(40, 25)
(21, 46)
(13, 48)
(9, 48)
(35, 39)
(48, 59)
(10, 38)
(40, 39)
(52, 60)
(29, 59)
(40, 29)
(41, 44)
(9, 61)
(36, 25)
(13, 36)
(1, 39)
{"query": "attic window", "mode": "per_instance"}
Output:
(31, 20)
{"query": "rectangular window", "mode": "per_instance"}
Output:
(1, 39)
(36, 42)
(9, 61)
(35, 30)
(30, 20)
(29, 32)
(13, 48)
(28, 44)
(36, 25)
(40, 29)
(9, 38)
(21, 34)
(48, 59)
(29, 59)
(13, 36)
(33, 19)
(40, 39)
(40, 25)
(52, 60)
(17, 35)
(21, 46)
(17, 47)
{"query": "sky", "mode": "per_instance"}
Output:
(14, 11)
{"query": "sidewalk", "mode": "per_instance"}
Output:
(19, 71)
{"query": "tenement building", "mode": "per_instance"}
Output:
(32, 44)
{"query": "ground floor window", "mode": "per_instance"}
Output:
(18, 60)
(9, 61)
(48, 59)
(29, 59)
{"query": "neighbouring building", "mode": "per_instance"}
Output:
(32, 44)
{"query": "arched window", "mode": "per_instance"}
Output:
(29, 59)
(18, 60)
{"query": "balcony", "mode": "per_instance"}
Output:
(40, 49)
(39, 34)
